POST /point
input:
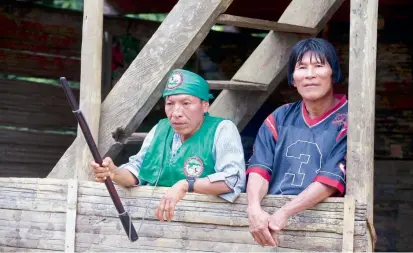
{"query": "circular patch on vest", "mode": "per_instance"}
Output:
(193, 167)
(174, 80)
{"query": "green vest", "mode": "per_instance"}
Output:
(193, 158)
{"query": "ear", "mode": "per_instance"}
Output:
(205, 106)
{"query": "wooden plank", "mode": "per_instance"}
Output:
(234, 85)
(170, 47)
(45, 106)
(30, 154)
(260, 24)
(38, 65)
(267, 64)
(18, 249)
(46, 30)
(348, 223)
(23, 29)
(223, 235)
(90, 83)
(199, 224)
(136, 138)
(362, 69)
(71, 215)
(106, 63)
(43, 240)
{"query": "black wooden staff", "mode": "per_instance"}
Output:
(123, 215)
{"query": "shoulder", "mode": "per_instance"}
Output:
(281, 113)
(226, 126)
(227, 132)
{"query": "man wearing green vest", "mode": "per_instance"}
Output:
(189, 151)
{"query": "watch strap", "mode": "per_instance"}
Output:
(191, 182)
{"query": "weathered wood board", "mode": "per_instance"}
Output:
(140, 87)
(30, 153)
(34, 218)
(35, 106)
(267, 64)
(90, 83)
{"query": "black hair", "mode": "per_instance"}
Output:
(322, 50)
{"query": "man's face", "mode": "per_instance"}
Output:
(185, 113)
(312, 78)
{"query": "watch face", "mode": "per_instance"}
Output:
(193, 167)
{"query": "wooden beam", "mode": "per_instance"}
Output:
(31, 64)
(136, 138)
(361, 113)
(90, 83)
(348, 223)
(234, 85)
(106, 64)
(46, 42)
(141, 86)
(44, 108)
(109, 9)
(267, 64)
(197, 216)
(70, 235)
(30, 153)
(263, 24)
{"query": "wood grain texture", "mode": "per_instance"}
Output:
(30, 154)
(35, 106)
(141, 86)
(263, 24)
(32, 64)
(70, 236)
(362, 70)
(136, 138)
(348, 226)
(90, 83)
(234, 85)
(201, 222)
(267, 64)
(42, 29)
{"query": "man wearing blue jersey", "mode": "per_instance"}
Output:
(300, 149)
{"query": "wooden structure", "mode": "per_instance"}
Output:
(80, 208)
(71, 215)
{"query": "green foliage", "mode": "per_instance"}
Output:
(37, 80)
(25, 129)
(159, 17)
(63, 4)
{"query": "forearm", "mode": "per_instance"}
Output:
(124, 177)
(204, 186)
(257, 188)
(315, 193)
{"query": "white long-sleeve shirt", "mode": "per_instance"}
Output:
(227, 152)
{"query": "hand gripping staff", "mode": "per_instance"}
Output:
(123, 215)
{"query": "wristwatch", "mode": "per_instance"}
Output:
(191, 182)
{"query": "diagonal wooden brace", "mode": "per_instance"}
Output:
(140, 87)
(267, 64)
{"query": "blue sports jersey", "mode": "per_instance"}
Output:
(292, 150)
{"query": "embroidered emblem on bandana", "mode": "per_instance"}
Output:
(193, 167)
(174, 80)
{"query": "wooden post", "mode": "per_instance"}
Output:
(141, 86)
(348, 223)
(106, 64)
(268, 63)
(71, 210)
(90, 82)
(362, 89)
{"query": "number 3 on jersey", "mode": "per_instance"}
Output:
(303, 156)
